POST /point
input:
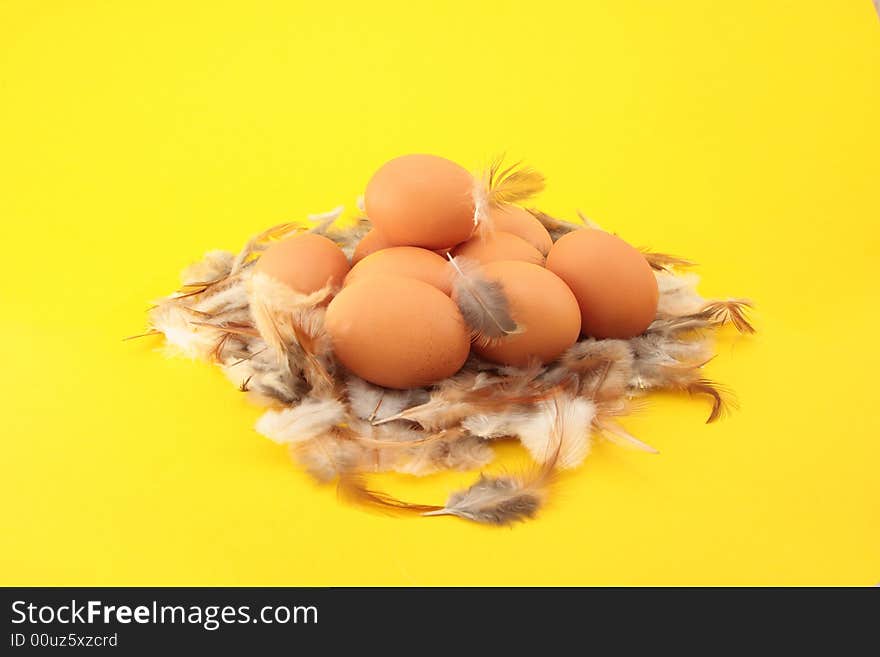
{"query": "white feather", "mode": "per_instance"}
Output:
(575, 418)
(181, 336)
(327, 217)
(372, 403)
(494, 425)
(678, 294)
(310, 419)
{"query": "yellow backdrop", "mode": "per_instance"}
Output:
(135, 136)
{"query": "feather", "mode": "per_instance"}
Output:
(499, 185)
(603, 367)
(307, 420)
(722, 398)
(664, 261)
(473, 393)
(312, 344)
(665, 362)
(513, 184)
(277, 309)
(620, 436)
(324, 220)
(678, 294)
(556, 227)
(505, 499)
(492, 426)
(410, 451)
(557, 428)
(214, 266)
(482, 218)
(671, 326)
(373, 403)
(561, 425)
(733, 311)
(181, 335)
(268, 379)
(352, 488)
(483, 303)
(346, 235)
(433, 415)
(329, 455)
(259, 243)
(497, 500)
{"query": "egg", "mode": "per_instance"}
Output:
(397, 332)
(614, 284)
(499, 245)
(305, 263)
(544, 308)
(408, 261)
(370, 243)
(522, 223)
(421, 200)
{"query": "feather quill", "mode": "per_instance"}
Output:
(352, 487)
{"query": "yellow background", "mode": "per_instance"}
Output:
(135, 136)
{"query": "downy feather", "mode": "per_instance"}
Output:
(307, 420)
(483, 303)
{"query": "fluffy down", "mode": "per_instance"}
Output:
(309, 419)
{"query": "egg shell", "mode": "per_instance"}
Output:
(499, 245)
(370, 243)
(543, 306)
(305, 262)
(408, 261)
(614, 284)
(522, 223)
(397, 332)
(421, 200)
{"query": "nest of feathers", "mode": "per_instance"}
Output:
(271, 344)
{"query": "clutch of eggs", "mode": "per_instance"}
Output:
(394, 320)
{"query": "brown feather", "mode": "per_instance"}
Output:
(722, 398)
(482, 302)
(733, 311)
(352, 488)
(506, 499)
(314, 370)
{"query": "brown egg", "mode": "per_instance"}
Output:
(542, 305)
(397, 332)
(421, 200)
(614, 284)
(304, 262)
(522, 223)
(408, 261)
(496, 246)
(370, 243)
